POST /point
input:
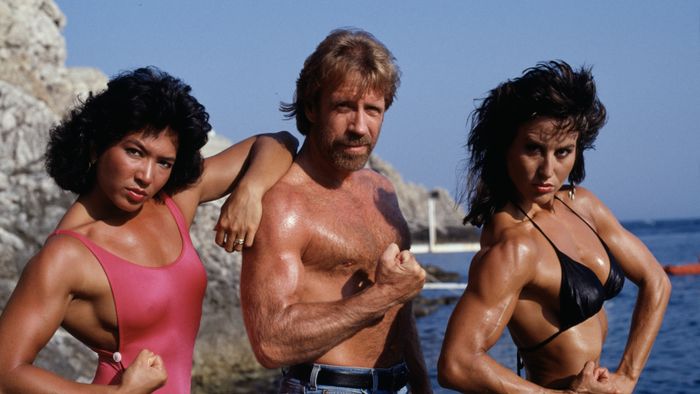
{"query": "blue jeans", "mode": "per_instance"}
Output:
(290, 385)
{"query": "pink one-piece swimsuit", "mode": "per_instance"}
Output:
(158, 308)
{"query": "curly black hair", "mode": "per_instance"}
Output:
(550, 89)
(145, 99)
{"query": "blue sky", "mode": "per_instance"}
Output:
(242, 58)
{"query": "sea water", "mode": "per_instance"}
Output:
(674, 364)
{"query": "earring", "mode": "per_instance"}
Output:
(572, 192)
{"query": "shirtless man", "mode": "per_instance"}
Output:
(326, 289)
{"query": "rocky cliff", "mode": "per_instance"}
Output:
(413, 200)
(36, 89)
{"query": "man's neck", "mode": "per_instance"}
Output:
(318, 168)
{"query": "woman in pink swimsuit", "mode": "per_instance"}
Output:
(120, 273)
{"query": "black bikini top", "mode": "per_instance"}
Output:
(581, 294)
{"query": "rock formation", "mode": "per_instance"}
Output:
(413, 200)
(36, 90)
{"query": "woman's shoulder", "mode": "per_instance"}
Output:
(63, 259)
(508, 241)
(579, 196)
(64, 245)
(508, 227)
(70, 240)
(586, 204)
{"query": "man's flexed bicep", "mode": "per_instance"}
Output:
(284, 327)
(270, 275)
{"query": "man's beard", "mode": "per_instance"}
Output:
(344, 161)
(351, 161)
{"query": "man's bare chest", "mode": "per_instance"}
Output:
(348, 236)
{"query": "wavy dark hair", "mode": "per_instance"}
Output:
(341, 53)
(145, 99)
(550, 89)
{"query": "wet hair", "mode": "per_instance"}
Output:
(342, 53)
(549, 90)
(145, 99)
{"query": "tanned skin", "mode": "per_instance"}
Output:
(515, 279)
(64, 285)
(330, 278)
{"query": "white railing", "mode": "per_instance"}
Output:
(444, 286)
(432, 246)
(455, 247)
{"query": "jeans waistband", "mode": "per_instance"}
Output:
(390, 379)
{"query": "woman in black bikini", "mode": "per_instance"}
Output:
(551, 253)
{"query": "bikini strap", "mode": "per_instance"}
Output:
(520, 363)
(543, 343)
(579, 216)
(536, 226)
(556, 334)
(605, 246)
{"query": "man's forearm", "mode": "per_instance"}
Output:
(306, 331)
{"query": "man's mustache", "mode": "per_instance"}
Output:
(359, 141)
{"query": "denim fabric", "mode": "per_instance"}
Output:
(290, 385)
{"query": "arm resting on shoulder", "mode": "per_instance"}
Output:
(255, 163)
(249, 167)
(269, 159)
